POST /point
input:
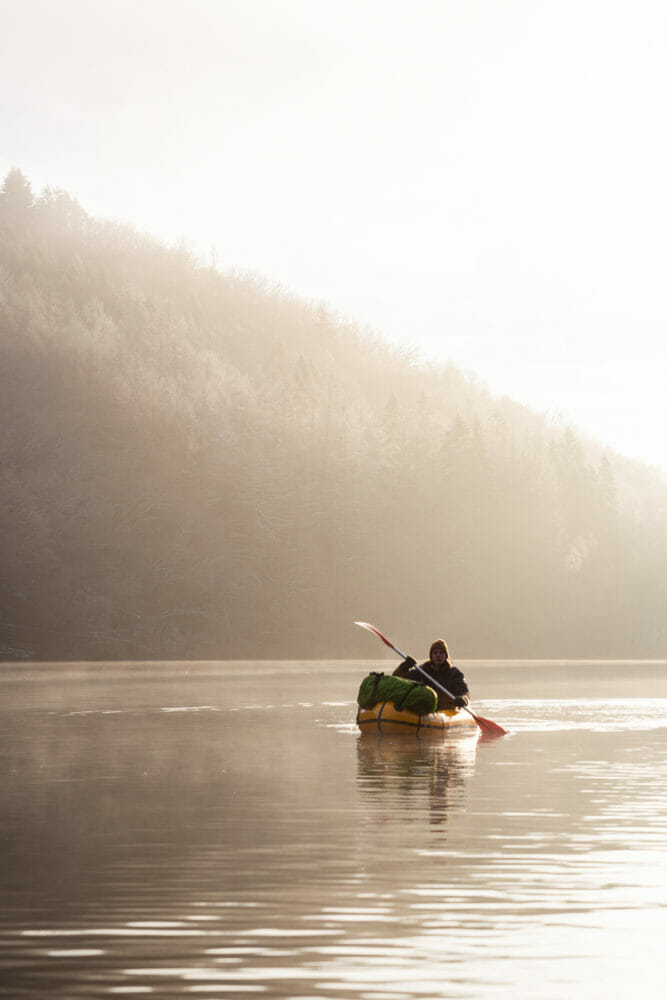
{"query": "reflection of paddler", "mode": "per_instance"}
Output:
(404, 772)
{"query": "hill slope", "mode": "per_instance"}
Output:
(195, 465)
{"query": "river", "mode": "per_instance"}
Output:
(222, 830)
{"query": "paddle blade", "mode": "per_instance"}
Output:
(375, 631)
(488, 728)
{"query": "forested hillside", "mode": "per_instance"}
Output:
(196, 465)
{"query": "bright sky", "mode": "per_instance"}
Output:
(482, 180)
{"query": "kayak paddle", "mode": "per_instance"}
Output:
(488, 728)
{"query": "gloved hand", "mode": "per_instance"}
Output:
(408, 663)
(459, 702)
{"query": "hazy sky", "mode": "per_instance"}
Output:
(483, 180)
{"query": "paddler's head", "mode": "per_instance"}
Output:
(438, 653)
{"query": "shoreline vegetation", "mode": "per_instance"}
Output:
(200, 466)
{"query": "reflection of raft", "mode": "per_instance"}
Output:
(384, 717)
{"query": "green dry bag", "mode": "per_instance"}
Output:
(409, 696)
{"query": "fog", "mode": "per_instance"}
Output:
(481, 183)
(197, 465)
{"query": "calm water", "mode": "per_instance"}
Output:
(223, 831)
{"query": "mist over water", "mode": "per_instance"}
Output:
(201, 466)
(224, 830)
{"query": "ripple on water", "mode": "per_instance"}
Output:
(259, 849)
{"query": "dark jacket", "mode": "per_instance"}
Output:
(448, 676)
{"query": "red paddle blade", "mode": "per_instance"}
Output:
(372, 628)
(488, 728)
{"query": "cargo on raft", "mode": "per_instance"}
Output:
(395, 705)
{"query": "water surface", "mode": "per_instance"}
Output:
(223, 830)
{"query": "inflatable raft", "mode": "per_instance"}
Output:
(384, 717)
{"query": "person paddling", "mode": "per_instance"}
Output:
(441, 670)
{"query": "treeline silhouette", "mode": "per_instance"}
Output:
(197, 465)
